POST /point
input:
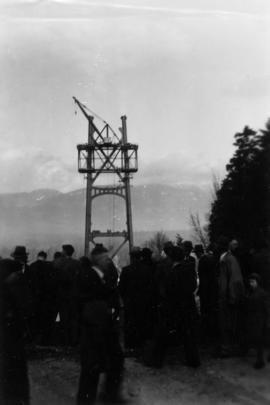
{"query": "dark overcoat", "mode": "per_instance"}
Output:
(257, 311)
(14, 385)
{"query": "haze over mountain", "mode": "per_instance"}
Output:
(52, 217)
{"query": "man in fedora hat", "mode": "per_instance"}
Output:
(208, 291)
(230, 298)
(163, 317)
(99, 339)
(14, 384)
(68, 269)
(130, 294)
(20, 256)
(46, 298)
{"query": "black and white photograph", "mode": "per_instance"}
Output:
(135, 202)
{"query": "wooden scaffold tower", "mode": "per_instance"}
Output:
(106, 152)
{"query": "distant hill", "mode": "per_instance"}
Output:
(56, 217)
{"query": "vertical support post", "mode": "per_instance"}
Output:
(89, 184)
(127, 185)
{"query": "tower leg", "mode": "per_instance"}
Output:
(88, 215)
(129, 213)
(127, 185)
(89, 185)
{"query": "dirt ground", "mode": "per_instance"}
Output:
(54, 379)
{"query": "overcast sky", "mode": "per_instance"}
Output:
(188, 75)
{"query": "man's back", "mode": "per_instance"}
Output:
(67, 271)
(126, 282)
(181, 284)
(207, 278)
(161, 275)
(231, 285)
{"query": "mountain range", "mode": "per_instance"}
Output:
(54, 217)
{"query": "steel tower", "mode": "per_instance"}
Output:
(106, 152)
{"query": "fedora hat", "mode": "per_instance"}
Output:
(19, 251)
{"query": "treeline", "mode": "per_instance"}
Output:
(241, 208)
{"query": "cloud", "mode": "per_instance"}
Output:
(30, 168)
(168, 76)
(180, 168)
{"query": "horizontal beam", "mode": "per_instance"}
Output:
(99, 191)
(107, 146)
(108, 234)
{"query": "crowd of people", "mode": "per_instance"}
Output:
(217, 298)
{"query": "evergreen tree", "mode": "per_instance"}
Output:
(263, 182)
(241, 208)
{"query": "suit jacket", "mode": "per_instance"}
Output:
(208, 286)
(136, 284)
(14, 301)
(181, 285)
(67, 270)
(96, 298)
(160, 279)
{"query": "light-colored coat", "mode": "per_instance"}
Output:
(231, 284)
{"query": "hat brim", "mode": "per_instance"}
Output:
(19, 255)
